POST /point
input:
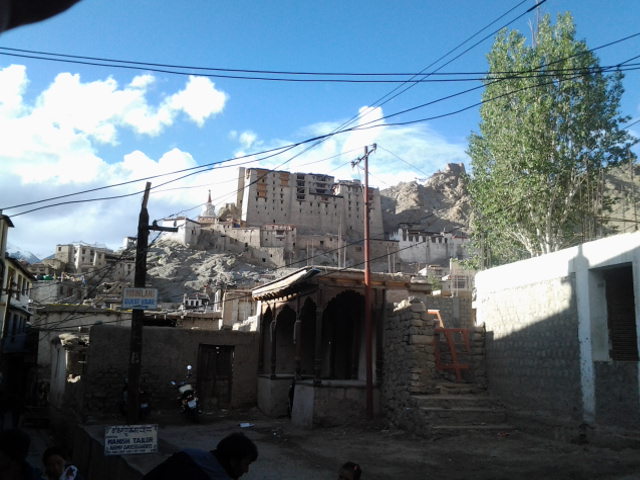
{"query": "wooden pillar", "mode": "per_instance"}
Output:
(297, 339)
(379, 318)
(355, 344)
(317, 359)
(263, 338)
(331, 335)
(273, 330)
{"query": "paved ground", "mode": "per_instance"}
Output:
(287, 452)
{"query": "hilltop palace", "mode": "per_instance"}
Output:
(279, 219)
(284, 218)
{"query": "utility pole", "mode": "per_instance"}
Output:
(137, 315)
(368, 328)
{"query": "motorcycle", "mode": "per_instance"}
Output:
(187, 397)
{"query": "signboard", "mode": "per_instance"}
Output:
(130, 439)
(139, 298)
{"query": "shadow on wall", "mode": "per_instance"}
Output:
(533, 350)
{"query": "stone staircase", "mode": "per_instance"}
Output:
(460, 406)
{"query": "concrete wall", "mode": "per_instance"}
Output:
(165, 354)
(533, 354)
(548, 345)
(334, 402)
(273, 394)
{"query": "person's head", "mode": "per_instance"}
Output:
(236, 452)
(350, 471)
(54, 461)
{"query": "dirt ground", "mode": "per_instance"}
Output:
(288, 452)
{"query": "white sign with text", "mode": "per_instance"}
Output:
(130, 439)
(139, 298)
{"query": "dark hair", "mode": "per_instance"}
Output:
(353, 467)
(54, 451)
(237, 445)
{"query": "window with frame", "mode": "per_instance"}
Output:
(621, 318)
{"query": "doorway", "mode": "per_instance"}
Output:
(215, 374)
(621, 315)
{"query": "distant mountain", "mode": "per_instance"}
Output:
(16, 252)
(624, 184)
(439, 204)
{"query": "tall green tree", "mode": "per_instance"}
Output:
(547, 135)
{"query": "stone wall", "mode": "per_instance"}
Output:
(165, 354)
(456, 312)
(410, 363)
(331, 403)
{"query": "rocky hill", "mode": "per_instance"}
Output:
(175, 269)
(624, 183)
(439, 204)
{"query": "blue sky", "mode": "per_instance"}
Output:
(68, 127)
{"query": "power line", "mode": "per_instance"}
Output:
(280, 150)
(320, 138)
(403, 160)
(198, 71)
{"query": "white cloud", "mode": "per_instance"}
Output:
(247, 139)
(99, 108)
(51, 146)
(142, 81)
(13, 80)
(404, 153)
(199, 100)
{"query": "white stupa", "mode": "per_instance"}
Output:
(208, 212)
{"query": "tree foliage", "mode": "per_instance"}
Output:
(547, 135)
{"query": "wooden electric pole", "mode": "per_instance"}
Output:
(137, 315)
(368, 328)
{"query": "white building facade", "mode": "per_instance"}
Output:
(312, 202)
(420, 246)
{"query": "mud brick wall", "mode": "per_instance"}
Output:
(165, 354)
(532, 346)
(409, 361)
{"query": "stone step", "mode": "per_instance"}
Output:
(497, 427)
(460, 388)
(463, 416)
(459, 400)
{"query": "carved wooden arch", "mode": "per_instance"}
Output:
(353, 309)
(266, 312)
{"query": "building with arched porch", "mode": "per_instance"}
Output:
(313, 343)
